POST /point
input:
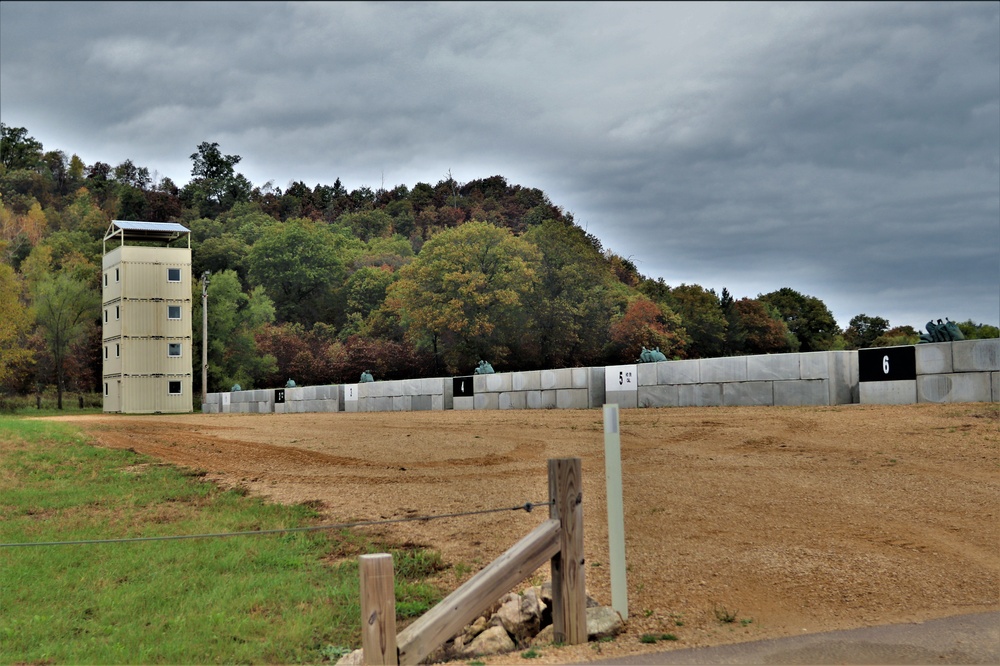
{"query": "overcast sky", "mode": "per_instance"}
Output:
(848, 151)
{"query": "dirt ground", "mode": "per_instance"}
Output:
(791, 520)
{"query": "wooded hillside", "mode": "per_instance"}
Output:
(318, 283)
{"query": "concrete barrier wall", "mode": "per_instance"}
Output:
(965, 371)
(820, 378)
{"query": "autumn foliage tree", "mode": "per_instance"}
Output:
(646, 324)
(464, 296)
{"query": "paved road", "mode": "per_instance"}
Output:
(961, 639)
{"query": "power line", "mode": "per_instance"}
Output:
(527, 507)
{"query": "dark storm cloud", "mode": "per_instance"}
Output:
(849, 151)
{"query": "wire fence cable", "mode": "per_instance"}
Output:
(527, 507)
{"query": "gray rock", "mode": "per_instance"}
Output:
(492, 641)
(356, 658)
(603, 622)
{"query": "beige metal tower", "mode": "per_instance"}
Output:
(147, 345)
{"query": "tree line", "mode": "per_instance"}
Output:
(319, 284)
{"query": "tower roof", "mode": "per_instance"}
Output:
(146, 231)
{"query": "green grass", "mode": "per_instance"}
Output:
(253, 599)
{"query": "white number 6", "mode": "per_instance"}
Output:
(885, 365)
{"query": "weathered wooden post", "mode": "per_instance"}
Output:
(569, 591)
(378, 609)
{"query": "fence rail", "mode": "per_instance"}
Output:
(558, 540)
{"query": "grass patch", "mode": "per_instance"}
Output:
(253, 599)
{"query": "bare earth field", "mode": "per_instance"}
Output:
(797, 519)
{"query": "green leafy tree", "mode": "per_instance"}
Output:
(15, 325)
(367, 224)
(17, 149)
(704, 322)
(806, 316)
(234, 318)
(862, 331)
(216, 186)
(65, 306)
(298, 264)
(577, 297)
(465, 294)
(973, 331)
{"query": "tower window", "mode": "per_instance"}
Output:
(173, 275)
(174, 388)
(173, 312)
(173, 349)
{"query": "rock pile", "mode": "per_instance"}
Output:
(516, 622)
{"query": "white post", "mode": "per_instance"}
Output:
(616, 510)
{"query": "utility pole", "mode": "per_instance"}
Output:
(204, 337)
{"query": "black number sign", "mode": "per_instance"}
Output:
(887, 364)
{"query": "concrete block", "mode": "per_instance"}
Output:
(308, 393)
(463, 403)
(843, 387)
(802, 392)
(293, 394)
(581, 377)
(498, 382)
(433, 386)
(903, 392)
(279, 408)
(624, 399)
(596, 386)
(438, 402)
(933, 358)
(572, 399)
(421, 403)
(212, 399)
(514, 400)
(394, 388)
(541, 399)
(976, 355)
(486, 401)
(352, 406)
(530, 380)
(724, 369)
(479, 383)
(381, 404)
(678, 372)
(658, 396)
(956, 387)
(772, 367)
(748, 393)
(557, 379)
(402, 403)
(647, 374)
(699, 395)
(320, 392)
(995, 381)
(814, 365)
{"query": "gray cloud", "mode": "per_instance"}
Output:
(849, 151)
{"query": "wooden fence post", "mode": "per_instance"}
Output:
(569, 592)
(378, 609)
